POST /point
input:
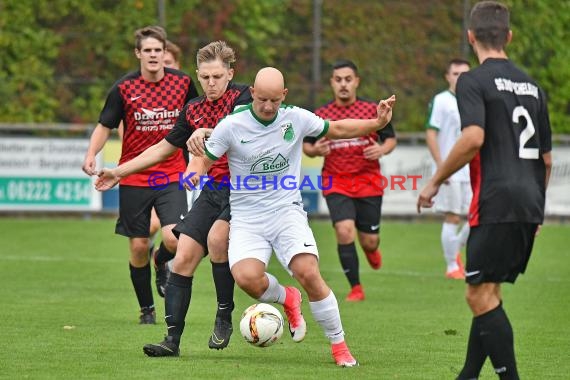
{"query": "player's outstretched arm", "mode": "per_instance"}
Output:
(349, 128)
(151, 156)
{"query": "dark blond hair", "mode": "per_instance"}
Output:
(214, 51)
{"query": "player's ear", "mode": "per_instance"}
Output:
(509, 37)
(138, 53)
(285, 91)
(230, 74)
(470, 36)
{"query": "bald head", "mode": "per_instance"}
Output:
(269, 78)
(268, 92)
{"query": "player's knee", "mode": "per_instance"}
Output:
(452, 218)
(249, 281)
(251, 285)
(139, 247)
(307, 276)
(170, 242)
(471, 299)
(481, 299)
(218, 249)
(345, 232)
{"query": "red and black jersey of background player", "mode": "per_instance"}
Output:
(352, 174)
(149, 111)
(508, 172)
(204, 113)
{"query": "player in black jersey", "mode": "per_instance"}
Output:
(204, 230)
(506, 138)
(147, 102)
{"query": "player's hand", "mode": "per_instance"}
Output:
(322, 147)
(373, 151)
(425, 199)
(193, 180)
(89, 165)
(385, 110)
(195, 143)
(107, 179)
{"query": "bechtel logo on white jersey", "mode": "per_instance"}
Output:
(155, 114)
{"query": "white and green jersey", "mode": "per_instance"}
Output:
(444, 117)
(264, 157)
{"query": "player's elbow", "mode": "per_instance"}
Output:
(547, 158)
(309, 150)
(390, 144)
(474, 137)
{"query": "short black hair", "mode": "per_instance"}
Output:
(489, 22)
(339, 64)
(457, 61)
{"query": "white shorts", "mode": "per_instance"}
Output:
(285, 231)
(454, 198)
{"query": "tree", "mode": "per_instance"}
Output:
(540, 38)
(60, 57)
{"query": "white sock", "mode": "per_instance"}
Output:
(327, 315)
(463, 234)
(275, 292)
(450, 244)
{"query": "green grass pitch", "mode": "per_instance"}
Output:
(68, 311)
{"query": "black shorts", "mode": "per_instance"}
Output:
(136, 203)
(365, 212)
(211, 205)
(498, 252)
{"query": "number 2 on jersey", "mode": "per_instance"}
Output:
(526, 134)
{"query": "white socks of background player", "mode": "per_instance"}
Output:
(450, 244)
(463, 235)
(327, 316)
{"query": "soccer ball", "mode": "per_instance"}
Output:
(261, 325)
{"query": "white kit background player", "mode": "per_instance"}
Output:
(263, 142)
(443, 128)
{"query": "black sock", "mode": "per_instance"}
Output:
(497, 338)
(225, 284)
(140, 277)
(163, 255)
(476, 354)
(349, 262)
(176, 303)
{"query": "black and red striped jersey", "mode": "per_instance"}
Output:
(203, 113)
(352, 174)
(508, 173)
(149, 111)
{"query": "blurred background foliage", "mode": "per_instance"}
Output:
(59, 57)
